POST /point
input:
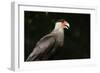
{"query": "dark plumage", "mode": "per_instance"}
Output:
(47, 45)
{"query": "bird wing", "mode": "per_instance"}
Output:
(44, 45)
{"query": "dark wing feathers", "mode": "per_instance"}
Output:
(46, 42)
(44, 45)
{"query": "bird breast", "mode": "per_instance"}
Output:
(59, 34)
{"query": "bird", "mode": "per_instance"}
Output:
(48, 44)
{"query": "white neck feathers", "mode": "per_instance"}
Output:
(58, 27)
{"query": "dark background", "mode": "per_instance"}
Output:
(77, 37)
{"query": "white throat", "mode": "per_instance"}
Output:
(58, 27)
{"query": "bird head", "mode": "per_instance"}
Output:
(63, 24)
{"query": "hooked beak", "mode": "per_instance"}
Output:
(67, 26)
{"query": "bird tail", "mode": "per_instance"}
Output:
(31, 57)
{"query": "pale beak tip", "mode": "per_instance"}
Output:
(67, 26)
